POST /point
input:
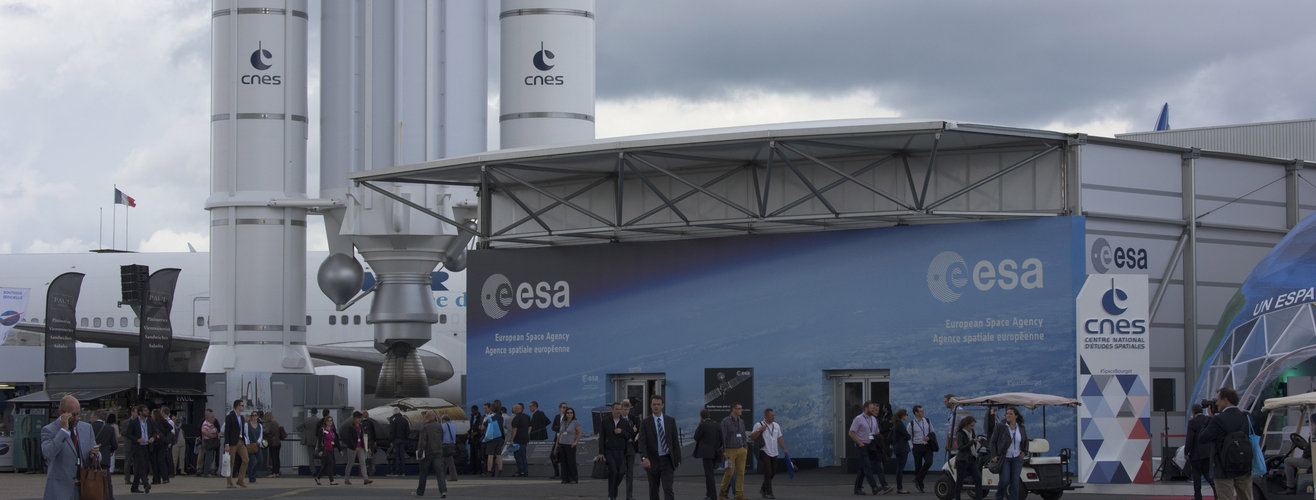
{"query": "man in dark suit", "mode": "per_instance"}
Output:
(235, 441)
(429, 450)
(1199, 454)
(557, 427)
(139, 432)
(614, 435)
(660, 448)
(1229, 420)
(538, 423)
(708, 446)
(108, 442)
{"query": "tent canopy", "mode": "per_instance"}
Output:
(1025, 399)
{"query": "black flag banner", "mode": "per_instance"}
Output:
(61, 317)
(157, 332)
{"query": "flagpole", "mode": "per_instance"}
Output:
(114, 220)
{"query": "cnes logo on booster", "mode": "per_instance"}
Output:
(499, 296)
(949, 275)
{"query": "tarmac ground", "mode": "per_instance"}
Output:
(812, 484)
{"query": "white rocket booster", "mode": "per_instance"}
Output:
(547, 68)
(258, 160)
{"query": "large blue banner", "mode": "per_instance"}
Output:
(969, 309)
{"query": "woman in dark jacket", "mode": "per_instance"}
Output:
(900, 445)
(1009, 443)
(159, 449)
(326, 449)
(475, 440)
(966, 458)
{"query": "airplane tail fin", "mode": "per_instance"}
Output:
(1163, 121)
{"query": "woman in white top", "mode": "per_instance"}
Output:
(1009, 443)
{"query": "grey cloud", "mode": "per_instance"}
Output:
(1001, 62)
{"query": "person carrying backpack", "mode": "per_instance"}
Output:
(1228, 431)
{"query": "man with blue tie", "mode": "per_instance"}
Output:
(66, 445)
(661, 449)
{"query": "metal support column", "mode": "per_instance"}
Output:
(1189, 196)
(1072, 172)
(1291, 188)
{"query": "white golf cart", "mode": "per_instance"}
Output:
(1047, 476)
(1287, 415)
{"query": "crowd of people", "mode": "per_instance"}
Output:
(252, 440)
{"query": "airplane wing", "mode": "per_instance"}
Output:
(437, 368)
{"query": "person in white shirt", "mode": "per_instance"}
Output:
(774, 446)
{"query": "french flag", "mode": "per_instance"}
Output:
(123, 199)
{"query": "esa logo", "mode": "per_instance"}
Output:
(541, 61)
(1105, 257)
(1113, 303)
(499, 296)
(259, 60)
(949, 275)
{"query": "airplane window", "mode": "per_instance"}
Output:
(200, 321)
(333, 319)
(356, 319)
(308, 320)
(84, 322)
(344, 319)
(137, 322)
(109, 322)
(443, 319)
(96, 322)
(123, 322)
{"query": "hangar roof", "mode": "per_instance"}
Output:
(767, 178)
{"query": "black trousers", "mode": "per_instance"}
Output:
(566, 456)
(967, 472)
(1200, 469)
(768, 467)
(274, 458)
(141, 456)
(326, 465)
(662, 474)
(159, 463)
(630, 472)
(616, 468)
(710, 485)
(922, 462)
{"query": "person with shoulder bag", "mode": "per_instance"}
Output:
(1009, 446)
(967, 468)
(1229, 431)
(923, 444)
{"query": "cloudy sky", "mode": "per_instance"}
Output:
(95, 94)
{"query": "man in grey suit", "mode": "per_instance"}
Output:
(66, 445)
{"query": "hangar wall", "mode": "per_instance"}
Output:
(951, 308)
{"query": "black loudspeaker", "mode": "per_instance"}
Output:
(134, 279)
(1163, 394)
